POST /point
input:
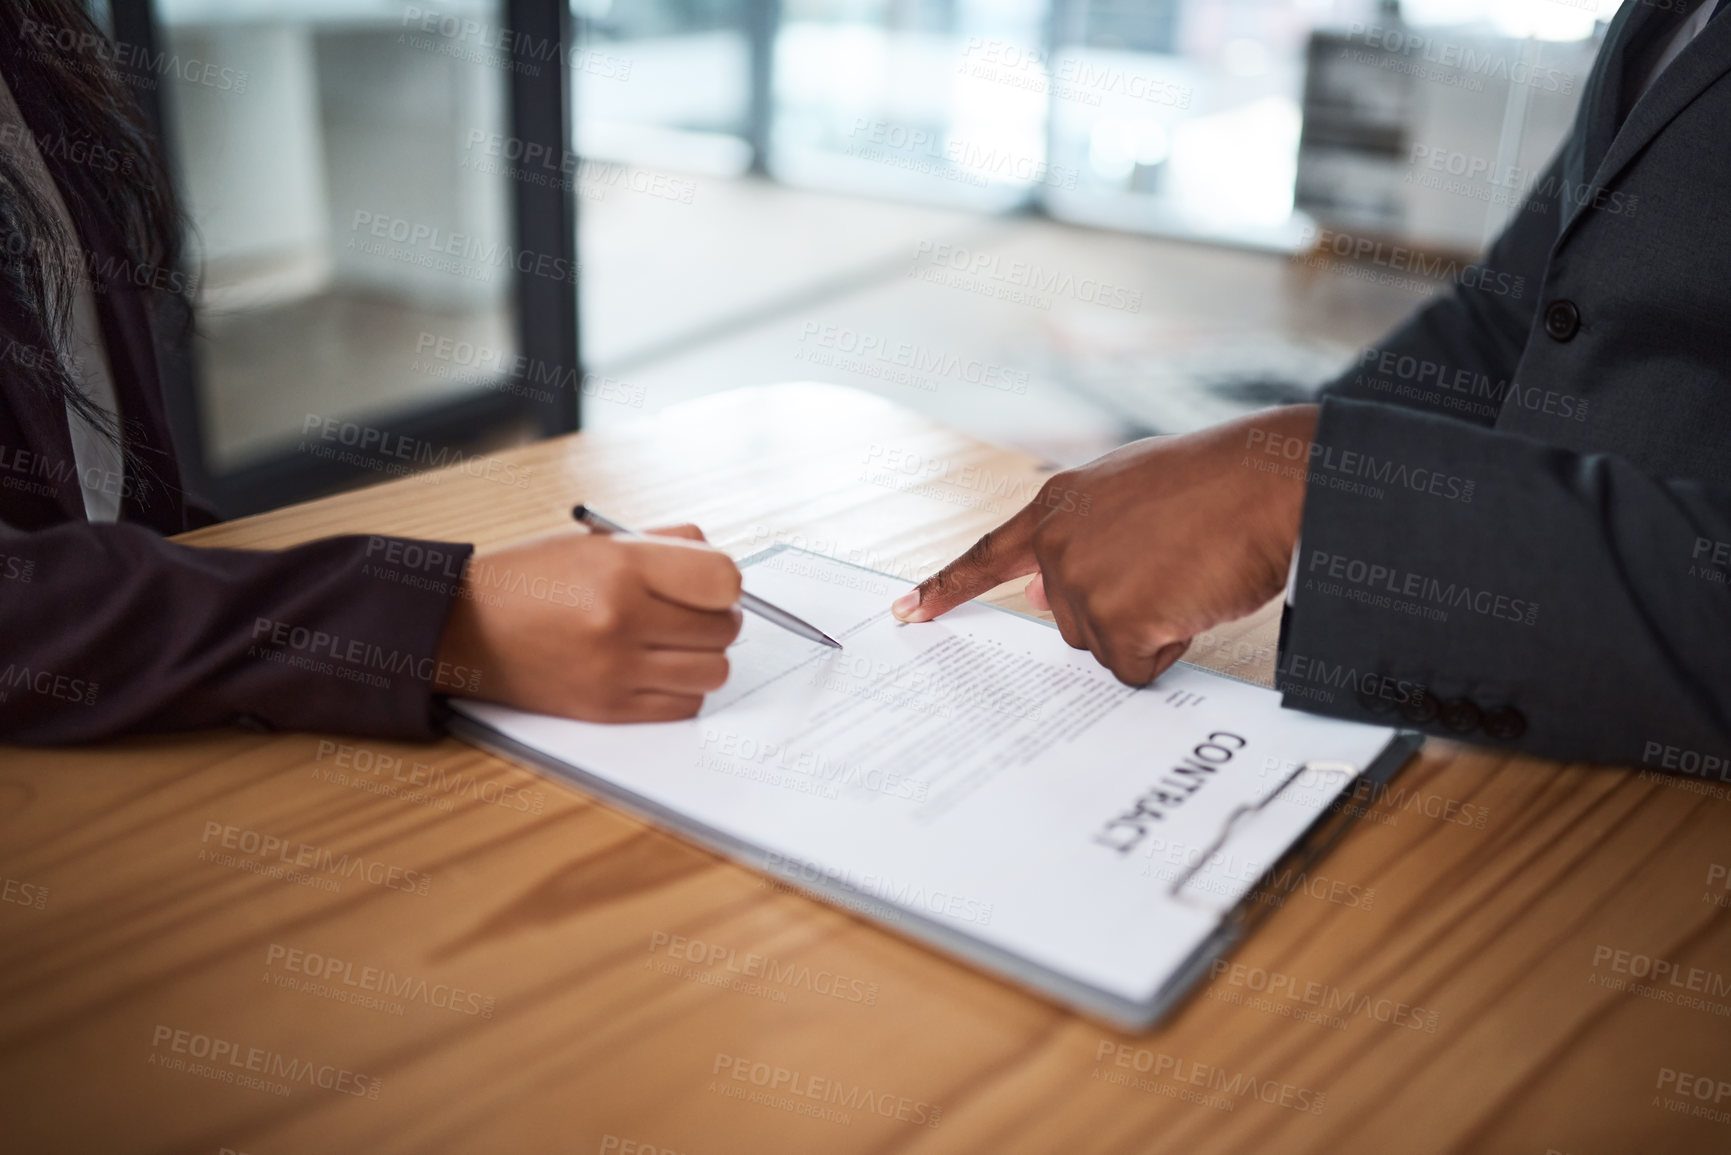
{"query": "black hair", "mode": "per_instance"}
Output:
(76, 98)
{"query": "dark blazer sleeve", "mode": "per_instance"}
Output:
(111, 629)
(1569, 604)
(1457, 354)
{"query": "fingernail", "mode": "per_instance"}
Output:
(905, 605)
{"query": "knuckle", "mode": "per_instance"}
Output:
(1130, 673)
(955, 577)
(1145, 637)
(1049, 537)
(608, 618)
(613, 567)
(1070, 633)
(1157, 635)
(1045, 545)
(978, 556)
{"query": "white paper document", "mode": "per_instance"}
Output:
(976, 783)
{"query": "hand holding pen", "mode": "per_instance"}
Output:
(768, 611)
(593, 626)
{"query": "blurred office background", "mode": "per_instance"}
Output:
(1058, 224)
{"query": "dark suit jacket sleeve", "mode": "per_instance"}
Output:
(1457, 354)
(112, 629)
(1566, 604)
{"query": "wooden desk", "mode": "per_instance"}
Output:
(1458, 952)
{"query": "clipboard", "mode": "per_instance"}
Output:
(1236, 920)
(1232, 920)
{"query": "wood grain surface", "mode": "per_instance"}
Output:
(1502, 955)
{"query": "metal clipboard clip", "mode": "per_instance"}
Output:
(1237, 815)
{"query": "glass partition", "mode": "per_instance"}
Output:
(345, 166)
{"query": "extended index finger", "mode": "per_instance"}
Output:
(1004, 553)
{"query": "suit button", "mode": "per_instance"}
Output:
(1562, 320)
(1420, 709)
(1460, 715)
(1506, 724)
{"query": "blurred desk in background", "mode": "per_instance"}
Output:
(1456, 976)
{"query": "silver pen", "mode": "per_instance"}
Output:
(768, 611)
